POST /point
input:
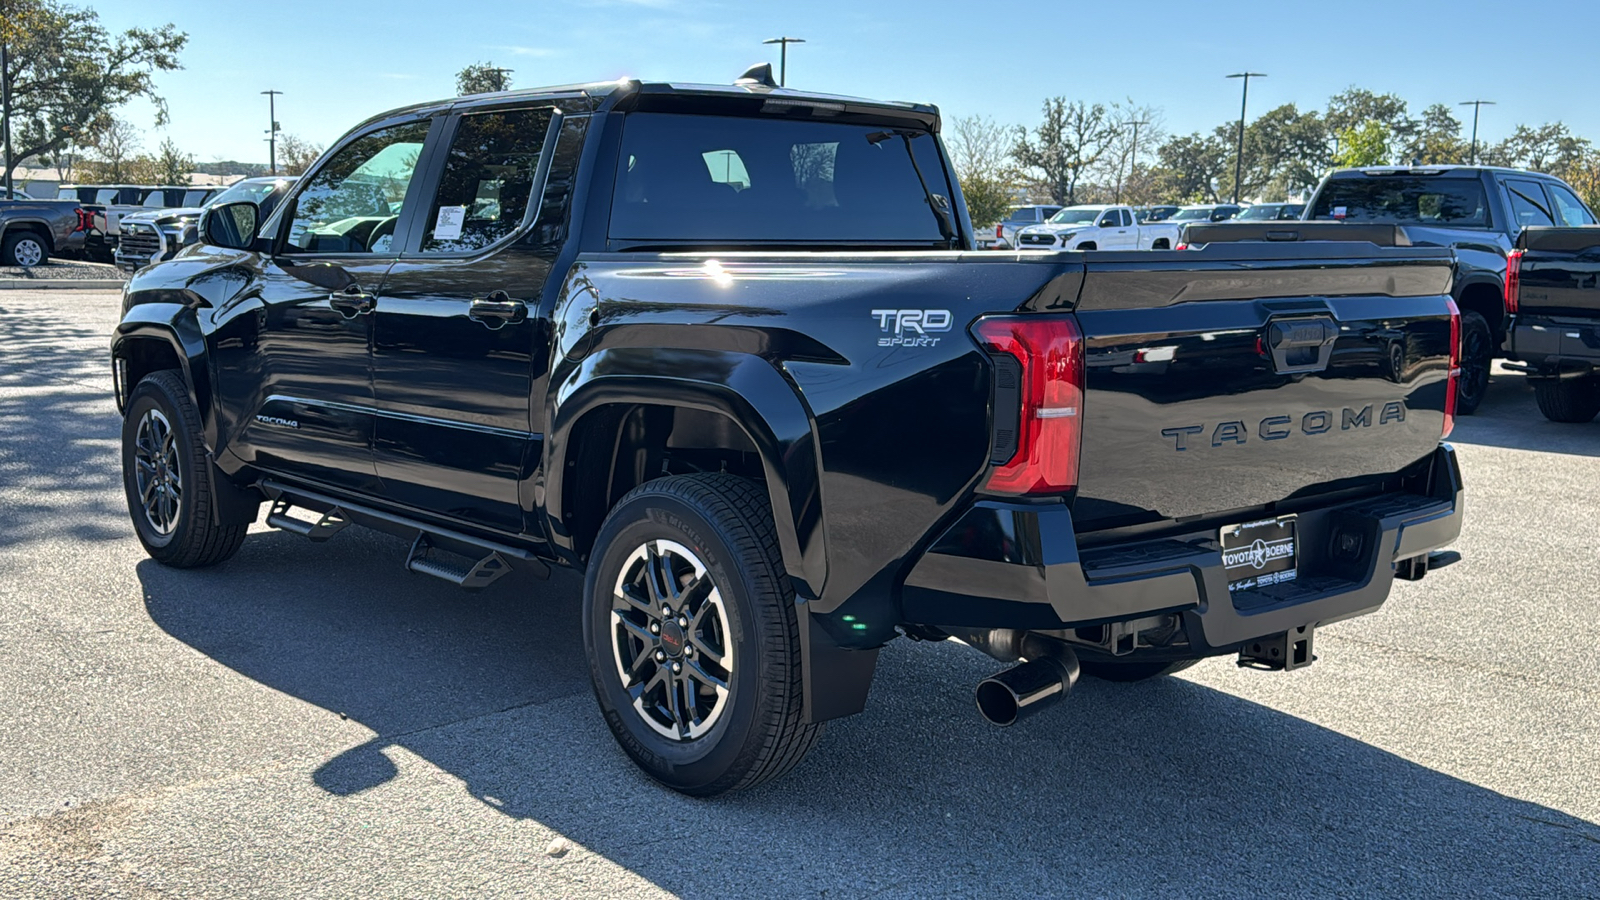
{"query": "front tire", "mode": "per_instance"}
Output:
(692, 638)
(1477, 354)
(169, 495)
(1574, 400)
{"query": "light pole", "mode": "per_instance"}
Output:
(783, 56)
(272, 133)
(1238, 161)
(1476, 106)
(5, 111)
(1133, 156)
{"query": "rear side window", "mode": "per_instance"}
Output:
(1025, 214)
(488, 179)
(1528, 204)
(1572, 210)
(724, 178)
(1404, 200)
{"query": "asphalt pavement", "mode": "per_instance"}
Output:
(309, 720)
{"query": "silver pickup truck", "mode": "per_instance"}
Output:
(32, 231)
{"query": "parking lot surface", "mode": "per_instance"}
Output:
(309, 720)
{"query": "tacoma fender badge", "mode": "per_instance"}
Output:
(277, 420)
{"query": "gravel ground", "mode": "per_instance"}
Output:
(63, 270)
(307, 720)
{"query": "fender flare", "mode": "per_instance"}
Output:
(750, 391)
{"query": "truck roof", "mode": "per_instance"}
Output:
(1439, 169)
(604, 95)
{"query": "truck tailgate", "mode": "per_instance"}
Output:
(1233, 381)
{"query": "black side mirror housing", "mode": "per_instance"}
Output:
(231, 225)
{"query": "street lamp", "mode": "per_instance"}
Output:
(1133, 156)
(1476, 106)
(272, 133)
(1238, 161)
(783, 56)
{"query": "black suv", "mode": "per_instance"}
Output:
(1477, 211)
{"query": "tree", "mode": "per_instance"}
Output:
(1367, 145)
(114, 148)
(1192, 167)
(1551, 148)
(67, 74)
(981, 150)
(296, 154)
(171, 165)
(1355, 107)
(1129, 123)
(1072, 138)
(1437, 139)
(482, 78)
(1285, 152)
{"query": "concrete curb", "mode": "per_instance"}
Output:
(46, 284)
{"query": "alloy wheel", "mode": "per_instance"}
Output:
(670, 640)
(157, 477)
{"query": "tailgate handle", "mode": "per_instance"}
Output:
(1302, 344)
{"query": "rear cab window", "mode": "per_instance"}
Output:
(686, 178)
(1404, 200)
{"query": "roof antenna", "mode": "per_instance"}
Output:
(758, 75)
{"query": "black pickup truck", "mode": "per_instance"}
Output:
(728, 351)
(1553, 294)
(1476, 211)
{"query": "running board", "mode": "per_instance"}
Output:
(472, 576)
(481, 561)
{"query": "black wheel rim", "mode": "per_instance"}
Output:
(1474, 366)
(670, 640)
(156, 475)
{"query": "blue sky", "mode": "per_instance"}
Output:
(339, 61)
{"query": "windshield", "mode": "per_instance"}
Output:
(1261, 211)
(1077, 215)
(1404, 200)
(254, 191)
(1192, 215)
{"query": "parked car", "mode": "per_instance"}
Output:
(1003, 235)
(1553, 299)
(1205, 212)
(16, 194)
(1477, 211)
(1097, 227)
(1258, 212)
(771, 462)
(1153, 214)
(151, 237)
(110, 203)
(32, 231)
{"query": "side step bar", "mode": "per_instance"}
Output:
(481, 561)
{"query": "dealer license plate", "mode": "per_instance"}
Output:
(1257, 554)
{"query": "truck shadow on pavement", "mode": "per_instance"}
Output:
(1509, 417)
(1162, 788)
(59, 433)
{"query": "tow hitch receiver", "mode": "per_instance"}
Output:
(1279, 652)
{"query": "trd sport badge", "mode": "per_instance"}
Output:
(911, 327)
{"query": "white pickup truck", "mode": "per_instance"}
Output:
(1097, 228)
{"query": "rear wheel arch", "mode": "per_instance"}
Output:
(1487, 299)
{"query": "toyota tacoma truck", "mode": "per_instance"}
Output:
(1553, 297)
(1097, 227)
(1477, 211)
(728, 351)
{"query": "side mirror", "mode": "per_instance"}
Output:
(231, 225)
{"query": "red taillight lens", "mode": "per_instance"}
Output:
(1455, 370)
(1050, 424)
(1181, 246)
(1513, 280)
(85, 220)
(999, 230)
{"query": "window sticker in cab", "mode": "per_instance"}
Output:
(448, 226)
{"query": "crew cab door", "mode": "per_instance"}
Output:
(294, 360)
(458, 343)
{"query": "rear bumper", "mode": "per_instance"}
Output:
(1555, 347)
(1012, 565)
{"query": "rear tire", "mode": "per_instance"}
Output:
(1477, 354)
(705, 699)
(164, 477)
(1574, 400)
(24, 248)
(1133, 670)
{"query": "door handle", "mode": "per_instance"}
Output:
(497, 310)
(352, 301)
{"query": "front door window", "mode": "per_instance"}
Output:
(352, 204)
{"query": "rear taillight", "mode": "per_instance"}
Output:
(85, 220)
(1455, 370)
(1049, 424)
(1181, 246)
(1513, 280)
(999, 230)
